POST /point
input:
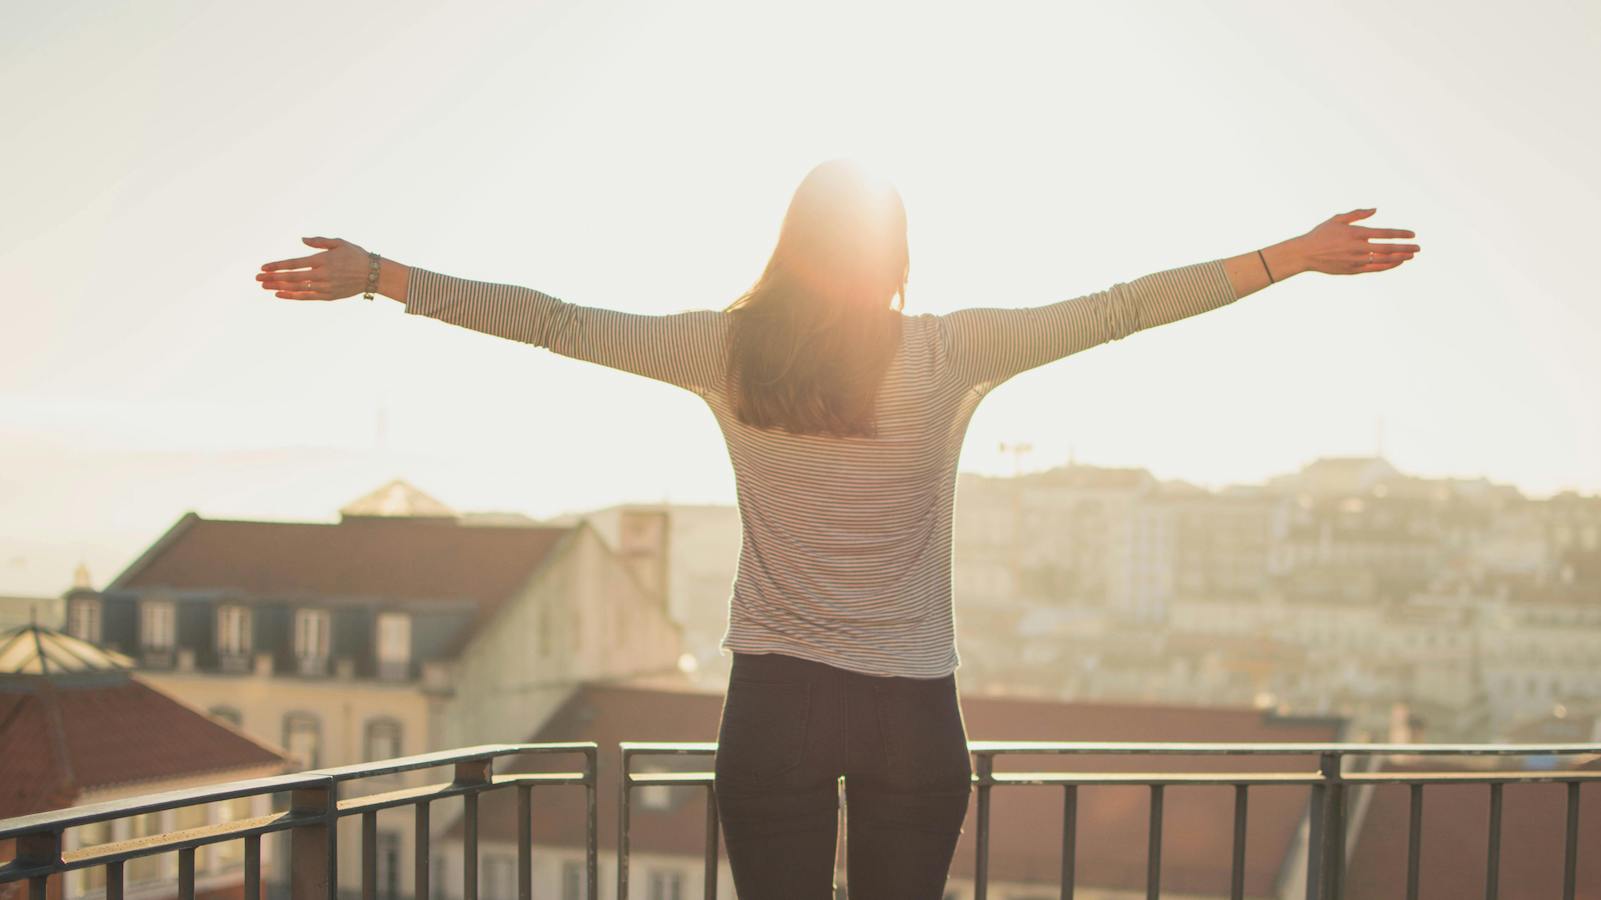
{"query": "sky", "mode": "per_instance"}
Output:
(640, 156)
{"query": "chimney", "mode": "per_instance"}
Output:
(642, 543)
(1400, 724)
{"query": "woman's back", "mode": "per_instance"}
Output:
(845, 557)
(846, 551)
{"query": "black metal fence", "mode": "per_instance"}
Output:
(311, 819)
(1326, 814)
(314, 808)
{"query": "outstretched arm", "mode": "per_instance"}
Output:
(684, 349)
(986, 346)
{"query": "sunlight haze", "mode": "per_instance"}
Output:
(640, 156)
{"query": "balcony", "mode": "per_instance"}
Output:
(311, 804)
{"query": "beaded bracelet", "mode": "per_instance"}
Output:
(372, 274)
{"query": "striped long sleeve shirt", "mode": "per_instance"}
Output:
(846, 547)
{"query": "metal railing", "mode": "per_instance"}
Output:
(314, 809)
(1326, 812)
(312, 817)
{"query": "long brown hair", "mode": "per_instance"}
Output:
(812, 338)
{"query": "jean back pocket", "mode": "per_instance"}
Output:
(762, 735)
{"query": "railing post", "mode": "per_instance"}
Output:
(252, 870)
(369, 855)
(41, 848)
(471, 772)
(592, 827)
(981, 865)
(312, 872)
(1314, 842)
(114, 883)
(1330, 766)
(1069, 839)
(1237, 873)
(186, 874)
(1153, 846)
(623, 790)
(709, 890)
(1570, 854)
(420, 885)
(525, 842)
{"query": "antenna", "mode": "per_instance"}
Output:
(1016, 450)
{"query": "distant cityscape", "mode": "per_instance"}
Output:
(1347, 599)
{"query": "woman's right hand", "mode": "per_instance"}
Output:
(1337, 247)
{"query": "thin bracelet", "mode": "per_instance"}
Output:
(372, 274)
(1270, 278)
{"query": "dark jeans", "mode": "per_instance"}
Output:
(790, 729)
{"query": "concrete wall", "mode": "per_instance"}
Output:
(583, 616)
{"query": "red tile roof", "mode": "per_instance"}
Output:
(62, 736)
(390, 558)
(1455, 839)
(1026, 822)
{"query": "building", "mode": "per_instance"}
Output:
(399, 629)
(16, 612)
(78, 727)
(697, 569)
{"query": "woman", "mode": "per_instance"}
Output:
(844, 418)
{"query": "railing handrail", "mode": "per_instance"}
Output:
(1283, 748)
(1232, 748)
(57, 820)
(478, 753)
(88, 814)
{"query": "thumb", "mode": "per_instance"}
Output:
(321, 242)
(1355, 214)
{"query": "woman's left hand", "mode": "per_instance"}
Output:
(339, 271)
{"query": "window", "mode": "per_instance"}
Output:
(233, 630)
(654, 796)
(394, 645)
(303, 739)
(143, 868)
(311, 640)
(383, 739)
(227, 714)
(572, 880)
(389, 866)
(665, 885)
(439, 870)
(228, 854)
(83, 621)
(90, 835)
(500, 875)
(156, 624)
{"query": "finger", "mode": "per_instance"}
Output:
(296, 275)
(304, 295)
(1382, 249)
(1366, 232)
(291, 282)
(297, 263)
(1379, 266)
(325, 243)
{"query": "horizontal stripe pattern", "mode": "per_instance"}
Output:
(845, 557)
